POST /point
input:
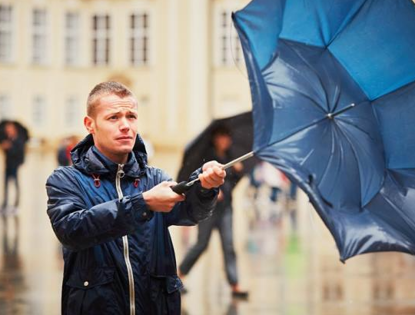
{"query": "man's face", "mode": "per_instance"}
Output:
(114, 126)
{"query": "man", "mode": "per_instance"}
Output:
(222, 217)
(111, 211)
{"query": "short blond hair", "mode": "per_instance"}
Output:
(103, 89)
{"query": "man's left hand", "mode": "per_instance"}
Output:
(213, 175)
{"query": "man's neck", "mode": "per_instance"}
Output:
(117, 159)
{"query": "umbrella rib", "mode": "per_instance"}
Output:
(291, 134)
(343, 27)
(348, 140)
(357, 127)
(402, 213)
(330, 159)
(311, 69)
(350, 123)
(354, 152)
(299, 92)
(336, 98)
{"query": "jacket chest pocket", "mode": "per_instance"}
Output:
(92, 293)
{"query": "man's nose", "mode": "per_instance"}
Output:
(124, 124)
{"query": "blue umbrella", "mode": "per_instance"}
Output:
(333, 94)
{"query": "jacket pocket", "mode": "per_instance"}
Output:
(90, 279)
(173, 283)
(165, 295)
(92, 292)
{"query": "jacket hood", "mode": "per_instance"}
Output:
(88, 159)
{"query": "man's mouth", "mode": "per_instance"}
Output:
(125, 138)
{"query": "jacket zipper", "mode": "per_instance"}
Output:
(120, 174)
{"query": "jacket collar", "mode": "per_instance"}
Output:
(88, 159)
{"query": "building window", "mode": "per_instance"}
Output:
(5, 107)
(101, 39)
(39, 111)
(71, 112)
(39, 37)
(72, 29)
(6, 33)
(139, 38)
(228, 50)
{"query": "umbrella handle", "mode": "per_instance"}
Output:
(184, 186)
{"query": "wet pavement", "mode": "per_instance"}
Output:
(287, 270)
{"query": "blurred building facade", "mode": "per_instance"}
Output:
(181, 58)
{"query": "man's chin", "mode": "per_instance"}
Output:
(125, 149)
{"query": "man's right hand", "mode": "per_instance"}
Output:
(162, 198)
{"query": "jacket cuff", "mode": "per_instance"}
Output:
(206, 194)
(141, 211)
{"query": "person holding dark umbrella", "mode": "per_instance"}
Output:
(222, 217)
(13, 140)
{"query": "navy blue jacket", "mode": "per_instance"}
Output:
(119, 258)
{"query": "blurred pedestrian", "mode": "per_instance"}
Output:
(149, 147)
(255, 181)
(111, 211)
(292, 205)
(13, 144)
(222, 218)
(278, 183)
(64, 150)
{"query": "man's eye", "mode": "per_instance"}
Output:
(132, 116)
(113, 118)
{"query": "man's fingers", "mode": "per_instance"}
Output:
(213, 175)
(161, 197)
(211, 164)
(178, 197)
(208, 182)
(212, 178)
(170, 183)
(214, 171)
(219, 171)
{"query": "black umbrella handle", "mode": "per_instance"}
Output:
(182, 187)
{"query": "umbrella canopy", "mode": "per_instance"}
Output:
(333, 107)
(198, 150)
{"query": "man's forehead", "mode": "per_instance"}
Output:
(116, 103)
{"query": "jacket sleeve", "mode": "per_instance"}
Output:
(198, 205)
(79, 227)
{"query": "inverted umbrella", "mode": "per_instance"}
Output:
(334, 108)
(199, 149)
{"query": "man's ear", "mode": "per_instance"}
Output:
(89, 124)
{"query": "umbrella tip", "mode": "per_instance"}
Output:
(331, 115)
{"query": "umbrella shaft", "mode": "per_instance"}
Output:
(227, 165)
(239, 159)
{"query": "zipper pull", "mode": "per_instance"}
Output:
(120, 171)
(120, 174)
